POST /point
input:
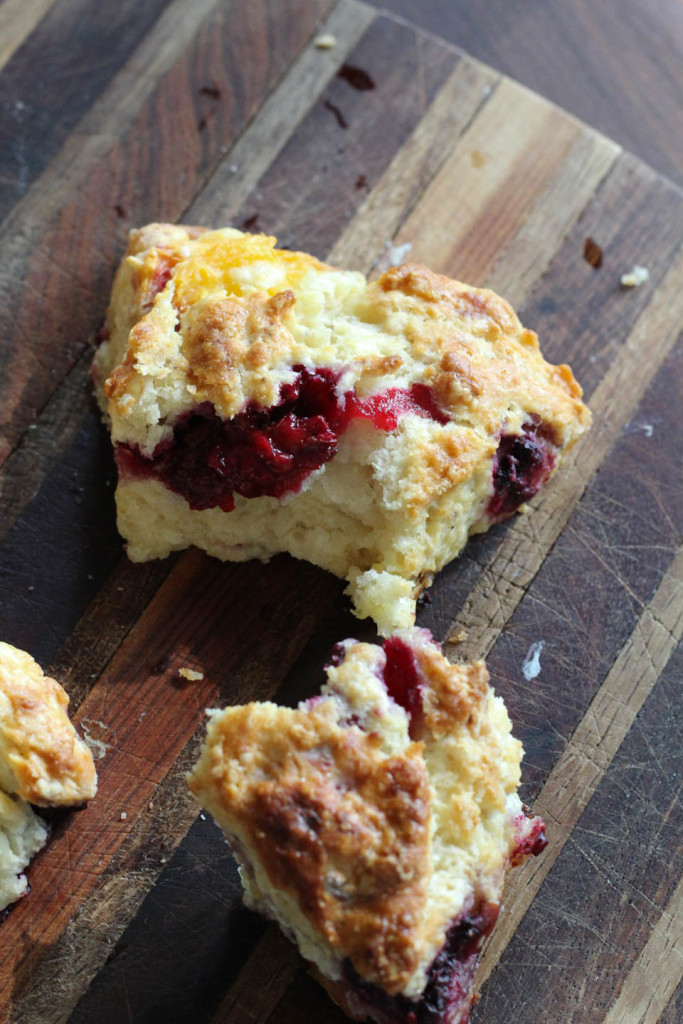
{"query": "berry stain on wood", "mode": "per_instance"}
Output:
(356, 77)
(592, 253)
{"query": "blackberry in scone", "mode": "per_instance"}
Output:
(261, 401)
(376, 823)
(43, 762)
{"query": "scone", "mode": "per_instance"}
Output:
(261, 401)
(42, 761)
(376, 823)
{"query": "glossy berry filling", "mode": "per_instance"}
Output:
(403, 681)
(522, 464)
(267, 451)
(446, 997)
(532, 839)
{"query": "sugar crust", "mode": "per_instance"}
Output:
(234, 317)
(364, 844)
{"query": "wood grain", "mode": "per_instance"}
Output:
(18, 18)
(486, 181)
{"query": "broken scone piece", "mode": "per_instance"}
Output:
(261, 401)
(42, 761)
(376, 823)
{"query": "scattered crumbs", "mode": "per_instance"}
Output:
(210, 90)
(31, 588)
(458, 636)
(150, 804)
(123, 816)
(478, 159)
(532, 663)
(90, 576)
(356, 77)
(424, 598)
(98, 748)
(119, 211)
(33, 426)
(190, 674)
(163, 860)
(120, 589)
(141, 716)
(341, 120)
(639, 275)
(325, 42)
(19, 105)
(250, 222)
(393, 255)
(523, 510)
(647, 429)
(233, 168)
(592, 253)
(203, 817)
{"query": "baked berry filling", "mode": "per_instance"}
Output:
(522, 464)
(532, 838)
(267, 451)
(403, 682)
(446, 998)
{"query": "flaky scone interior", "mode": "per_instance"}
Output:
(261, 401)
(376, 823)
(43, 761)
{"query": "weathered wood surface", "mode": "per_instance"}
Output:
(216, 117)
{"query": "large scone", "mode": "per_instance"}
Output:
(376, 823)
(42, 761)
(261, 401)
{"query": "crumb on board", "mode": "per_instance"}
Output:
(592, 253)
(190, 674)
(123, 816)
(326, 41)
(532, 663)
(639, 275)
(457, 636)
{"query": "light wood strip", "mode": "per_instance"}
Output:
(236, 176)
(409, 173)
(503, 583)
(269, 971)
(18, 18)
(587, 756)
(501, 164)
(656, 973)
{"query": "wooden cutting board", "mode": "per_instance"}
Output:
(220, 113)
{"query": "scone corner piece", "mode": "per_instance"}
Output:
(43, 762)
(376, 822)
(262, 401)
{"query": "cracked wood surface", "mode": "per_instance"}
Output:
(141, 918)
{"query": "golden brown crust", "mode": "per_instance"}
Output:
(338, 825)
(232, 336)
(42, 759)
(365, 843)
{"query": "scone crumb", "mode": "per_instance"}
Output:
(458, 636)
(123, 816)
(326, 41)
(639, 275)
(190, 674)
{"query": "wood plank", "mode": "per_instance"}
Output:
(657, 971)
(37, 120)
(18, 18)
(583, 762)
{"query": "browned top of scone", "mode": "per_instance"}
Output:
(375, 841)
(42, 759)
(337, 824)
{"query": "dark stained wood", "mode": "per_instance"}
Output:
(615, 64)
(501, 188)
(52, 80)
